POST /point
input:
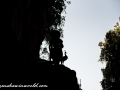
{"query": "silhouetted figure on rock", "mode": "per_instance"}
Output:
(22, 31)
(55, 47)
(64, 58)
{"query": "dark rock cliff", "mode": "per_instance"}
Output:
(20, 45)
(29, 73)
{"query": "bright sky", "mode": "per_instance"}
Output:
(87, 22)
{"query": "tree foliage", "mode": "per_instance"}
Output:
(110, 53)
(54, 18)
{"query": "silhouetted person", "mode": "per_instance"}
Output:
(55, 47)
(64, 58)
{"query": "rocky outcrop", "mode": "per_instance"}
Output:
(20, 45)
(43, 73)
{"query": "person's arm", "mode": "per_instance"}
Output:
(61, 44)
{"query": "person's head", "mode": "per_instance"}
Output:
(55, 34)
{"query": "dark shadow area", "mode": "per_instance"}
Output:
(114, 86)
(23, 28)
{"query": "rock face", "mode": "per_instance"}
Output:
(114, 86)
(20, 45)
(29, 73)
(22, 29)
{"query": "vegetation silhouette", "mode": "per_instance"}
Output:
(110, 53)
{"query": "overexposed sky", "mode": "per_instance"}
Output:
(87, 22)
